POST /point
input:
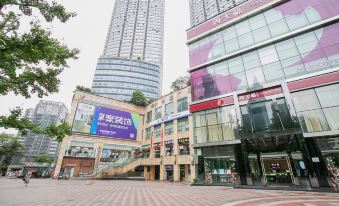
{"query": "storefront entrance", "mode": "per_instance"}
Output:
(276, 161)
(157, 172)
(276, 169)
(169, 172)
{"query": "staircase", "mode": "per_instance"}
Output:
(120, 167)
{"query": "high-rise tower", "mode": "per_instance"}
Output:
(44, 114)
(132, 56)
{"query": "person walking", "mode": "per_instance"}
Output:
(27, 177)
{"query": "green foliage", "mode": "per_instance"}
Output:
(83, 89)
(10, 146)
(44, 159)
(180, 83)
(15, 120)
(138, 98)
(31, 59)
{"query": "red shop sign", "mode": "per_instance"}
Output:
(260, 94)
(212, 104)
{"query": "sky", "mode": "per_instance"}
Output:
(87, 32)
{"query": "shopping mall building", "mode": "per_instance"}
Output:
(113, 139)
(265, 94)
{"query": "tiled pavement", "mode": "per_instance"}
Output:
(88, 192)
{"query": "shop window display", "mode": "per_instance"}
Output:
(78, 151)
(184, 147)
(169, 148)
(215, 125)
(329, 149)
(318, 108)
(216, 165)
(145, 151)
(111, 155)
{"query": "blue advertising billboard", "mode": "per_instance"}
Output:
(106, 122)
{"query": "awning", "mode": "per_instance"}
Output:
(119, 147)
(77, 143)
(146, 147)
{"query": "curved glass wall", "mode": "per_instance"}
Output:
(119, 78)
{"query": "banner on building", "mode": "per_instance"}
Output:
(106, 122)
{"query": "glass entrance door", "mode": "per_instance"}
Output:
(254, 165)
(276, 168)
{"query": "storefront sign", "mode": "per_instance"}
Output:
(225, 17)
(169, 143)
(105, 122)
(259, 94)
(184, 141)
(170, 118)
(169, 167)
(212, 104)
(315, 159)
(313, 81)
(157, 145)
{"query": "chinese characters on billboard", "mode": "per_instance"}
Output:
(105, 122)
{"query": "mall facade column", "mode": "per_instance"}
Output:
(133, 53)
(265, 82)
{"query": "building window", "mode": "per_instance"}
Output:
(318, 109)
(266, 116)
(169, 109)
(158, 113)
(182, 104)
(183, 124)
(149, 117)
(215, 125)
(157, 130)
(169, 128)
(148, 133)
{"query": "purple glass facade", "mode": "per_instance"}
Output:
(313, 50)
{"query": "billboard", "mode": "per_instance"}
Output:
(106, 122)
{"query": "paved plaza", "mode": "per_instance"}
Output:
(90, 192)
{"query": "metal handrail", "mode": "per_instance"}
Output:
(119, 163)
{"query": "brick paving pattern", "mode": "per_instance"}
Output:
(41, 192)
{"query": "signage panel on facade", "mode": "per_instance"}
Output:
(260, 94)
(105, 122)
(226, 17)
(170, 118)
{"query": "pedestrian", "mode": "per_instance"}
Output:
(27, 177)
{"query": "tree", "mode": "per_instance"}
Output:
(10, 146)
(180, 83)
(31, 59)
(138, 98)
(83, 89)
(44, 159)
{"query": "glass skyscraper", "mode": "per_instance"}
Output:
(132, 56)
